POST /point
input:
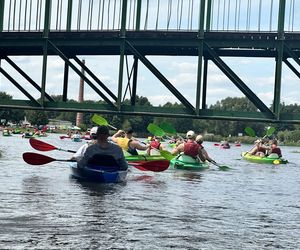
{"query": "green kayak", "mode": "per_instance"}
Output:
(186, 162)
(271, 159)
(143, 157)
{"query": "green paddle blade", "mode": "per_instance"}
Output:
(168, 128)
(99, 120)
(249, 131)
(166, 154)
(154, 129)
(270, 131)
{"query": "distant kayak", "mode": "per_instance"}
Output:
(272, 159)
(186, 162)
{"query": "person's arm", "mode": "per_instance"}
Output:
(114, 138)
(79, 153)
(121, 159)
(207, 157)
(134, 144)
(178, 149)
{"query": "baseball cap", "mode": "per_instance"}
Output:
(94, 130)
(190, 134)
(102, 130)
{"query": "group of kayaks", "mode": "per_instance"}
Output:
(110, 173)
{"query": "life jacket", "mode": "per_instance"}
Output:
(191, 148)
(155, 144)
(124, 144)
(276, 151)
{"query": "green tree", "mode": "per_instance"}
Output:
(37, 117)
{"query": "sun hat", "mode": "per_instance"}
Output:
(190, 134)
(94, 130)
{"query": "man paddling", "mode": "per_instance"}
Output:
(126, 141)
(103, 152)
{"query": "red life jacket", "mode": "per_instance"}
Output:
(276, 151)
(191, 148)
(155, 144)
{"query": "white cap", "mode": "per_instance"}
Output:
(199, 138)
(190, 134)
(94, 130)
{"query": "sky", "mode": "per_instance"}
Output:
(257, 73)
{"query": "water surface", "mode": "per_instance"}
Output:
(249, 207)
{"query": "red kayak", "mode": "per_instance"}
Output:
(155, 166)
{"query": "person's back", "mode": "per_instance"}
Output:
(190, 147)
(103, 147)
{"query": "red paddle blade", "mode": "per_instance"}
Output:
(40, 145)
(154, 166)
(36, 159)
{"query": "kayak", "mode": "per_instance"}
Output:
(271, 159)
(100, 174)
(135, 158)
(225, 146)
(186, 162)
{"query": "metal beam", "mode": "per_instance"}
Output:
(14, 82)
(160, 76)
(87, 70)
(239, 83)
(292, 68)
(80, 74)
(27, 77)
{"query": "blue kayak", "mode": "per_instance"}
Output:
(100, 174)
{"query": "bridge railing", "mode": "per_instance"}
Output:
(101, 15)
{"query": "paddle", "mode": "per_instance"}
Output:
(168, 128)
(166, 154)
(221, 167)
(102, 121)
(38, 159)
(154, 129)
(249, 131)
(44, 146)
(154, 166)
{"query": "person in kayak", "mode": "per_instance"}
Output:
(260, 148)
(155, 144)
(274, 149)
(103, 152)
(190, 147)
(126, 141)
(203, 155)
(80, 152)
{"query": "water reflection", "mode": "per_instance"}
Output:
(188, 175)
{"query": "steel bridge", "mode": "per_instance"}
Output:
(206, 29)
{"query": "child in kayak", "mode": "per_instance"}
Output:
(274, 149)
(203, 155)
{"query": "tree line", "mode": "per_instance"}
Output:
(290, 132)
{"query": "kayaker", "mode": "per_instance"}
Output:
(190, 147)
(155, 144)
(126, 141)
(203, 155)
(80, 152)
(103, 150)
(260, 148)
(274, 149)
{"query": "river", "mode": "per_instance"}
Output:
(250, 206)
